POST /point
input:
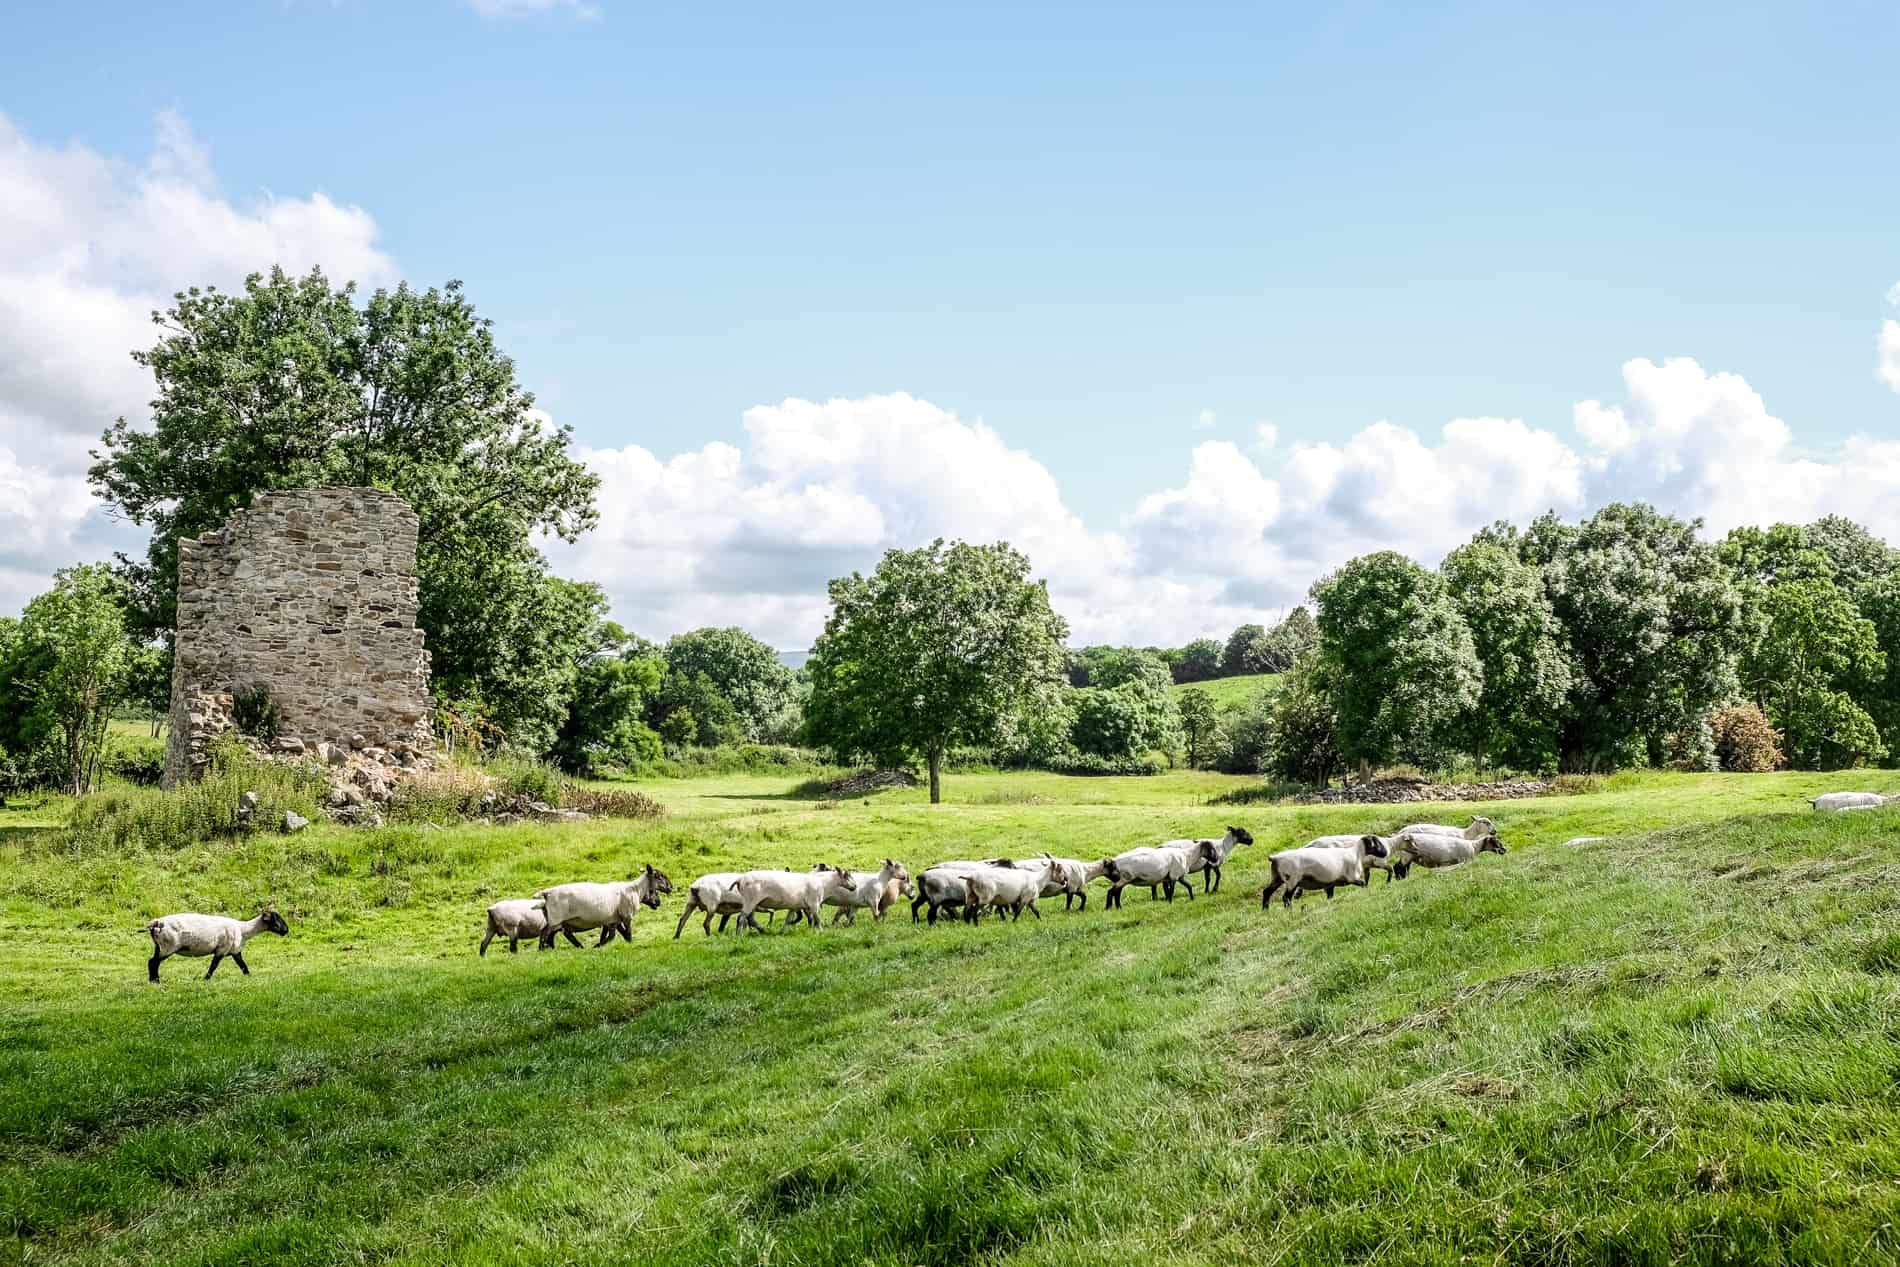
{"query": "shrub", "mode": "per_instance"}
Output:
(1744, 739)
(749, 758)
(1692, 748)
(1249, 734)
(134, 819)
(446, 794)
(137, 761)
(536, 780)
(1091, 764)
(255, 713)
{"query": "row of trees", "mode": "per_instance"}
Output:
(1249, 650)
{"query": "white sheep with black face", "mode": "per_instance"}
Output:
(788, 891)
(1165, 866)
(1320, 867)
(194, 936)
(610, 907)
(518, 919)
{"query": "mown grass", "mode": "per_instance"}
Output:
(1230, 693)
(1675, 1045)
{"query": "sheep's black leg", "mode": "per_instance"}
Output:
(606, 935)
(1329, 893)
(1151, 892)
(1188, 884)
(486, 938)
(243, 967)
(681, 926)
(514, 945)
(1032, 911)
(568, 933)
(214, 966)
(1266, 894)
(1085, 899)
(151, 967)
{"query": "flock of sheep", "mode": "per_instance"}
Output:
(966, 889)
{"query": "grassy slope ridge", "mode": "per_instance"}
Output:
(1232, 692)
(1678, 1044)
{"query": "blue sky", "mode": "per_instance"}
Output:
(1087, 226)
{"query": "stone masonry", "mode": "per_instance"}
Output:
(311, 594)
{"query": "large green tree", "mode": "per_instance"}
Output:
(63, 669)
(293, 382)
(1292, 638)
(1815, 659)
(742, 668)
(1198, 661)
(1879, 604)
(605, 727)
(1200, 726)
(1527, 675)
(1398, 658)
(939, 647)
(1653, 621)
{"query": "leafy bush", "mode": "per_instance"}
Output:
(255, 713)
(1692, 748)
(1744, 739)
(1249, 737)
(135, 819)
(1092, 764)
(136, 760)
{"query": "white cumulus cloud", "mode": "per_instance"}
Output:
(90, 246)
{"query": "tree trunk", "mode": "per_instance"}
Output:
(936, 770)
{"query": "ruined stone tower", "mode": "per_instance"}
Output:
(311, 595)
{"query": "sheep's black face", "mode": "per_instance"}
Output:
(1241, 835)
(1110, 870)
(1491, 844)
(275, 922)
(1375, 846)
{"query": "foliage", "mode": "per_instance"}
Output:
(1526, 674)
(750, 758)
(690, 708)
(1856, 555)
(939, 647)
(1123, 721)
(120, 820)
(449, 793)
(744, 670)
(1879, 603)
(1399, 661)
(1303, 727)
(293, 383)
(1745, 741)
(1200, 726)
(1247, 651)
(1813, 654)
(609, 802)
(603, 729)
(519, 776)
(1692, 749)
(64, 668)
(1652, 619)
(1292, 638)
(1090, 763)
(255, 713)
(1247, 736)
(542, 630)
(1117, 666)
(136, 760)
(1198, 661)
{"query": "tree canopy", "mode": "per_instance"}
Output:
(940, 646)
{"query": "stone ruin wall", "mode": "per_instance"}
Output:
(310, 593)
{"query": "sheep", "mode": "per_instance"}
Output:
(516, 918)
(1429, 850)
(875, 889)
(1152, 865)
(1210, 866)
(1000, 888)
(1477, 829)
(711, 893)
(1320, 866)
(1071, 877)
(788, 891)
(1834, 802)
(195, 936)
(1388, 863)
(942, 885)
(609, 907)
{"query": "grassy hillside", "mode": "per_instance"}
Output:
(1232, 692)
(1676, 1044)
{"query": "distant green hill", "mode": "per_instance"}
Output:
(1232, 692)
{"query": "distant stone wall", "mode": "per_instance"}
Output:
(311, 594)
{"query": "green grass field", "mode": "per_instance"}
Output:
(1676, 1045)
(1232, 692)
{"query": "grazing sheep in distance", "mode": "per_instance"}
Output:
(1430, 851)
(1322, 867)
(609, 907)
(1834, 802)
(516, 918)
(195, 936)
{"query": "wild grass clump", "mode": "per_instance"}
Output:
(141, 819)
(1264, 794)
(136, 760)
(518, 776)
(748, 758)
(447, 794)
(609, 802)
